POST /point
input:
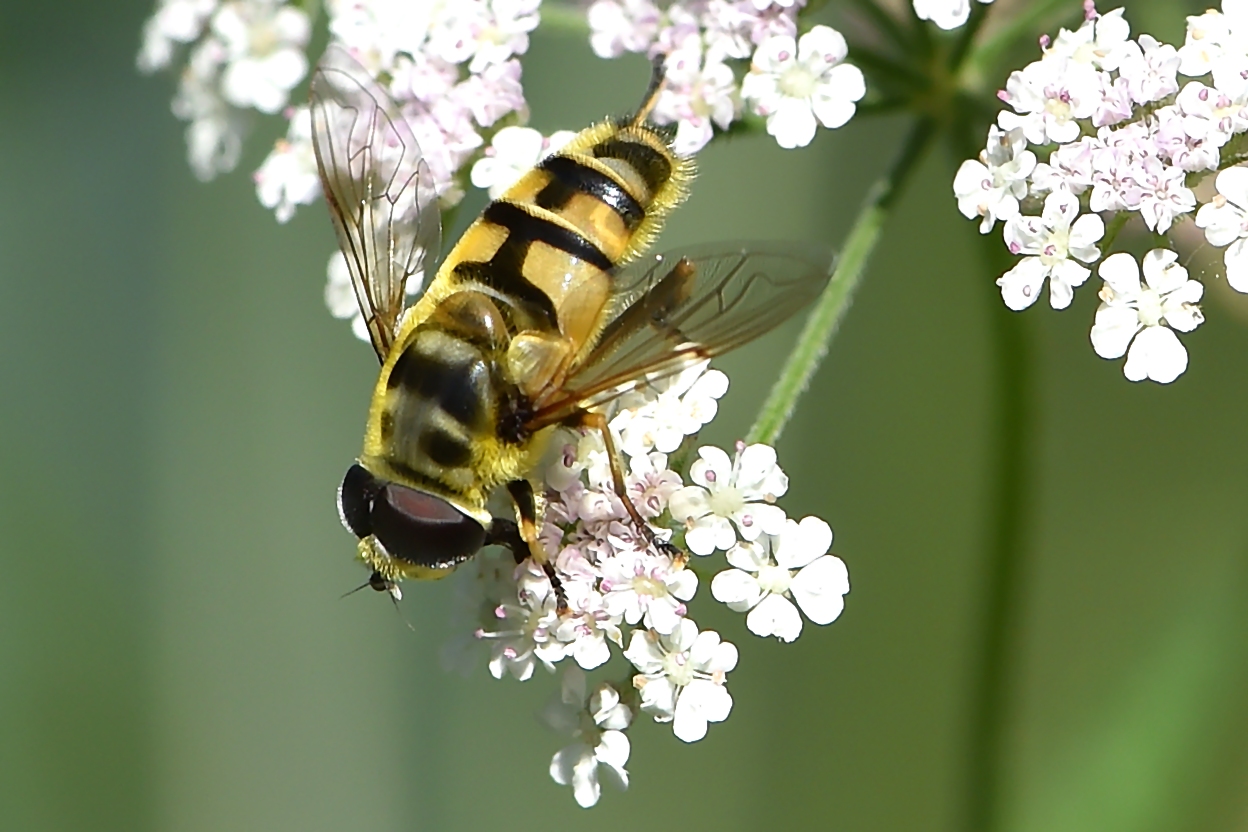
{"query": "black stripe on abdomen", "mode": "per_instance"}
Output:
(524, 228)
(445, 449)
(650, 164)
(569, 177)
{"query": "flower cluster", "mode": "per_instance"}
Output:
(1105, 126)
(243, 55)
(628, 587)
(795, 83)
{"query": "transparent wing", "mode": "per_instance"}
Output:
(379, 190)
(678, 308)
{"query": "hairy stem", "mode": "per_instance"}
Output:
(812, 345)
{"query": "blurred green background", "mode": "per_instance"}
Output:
(178, 408)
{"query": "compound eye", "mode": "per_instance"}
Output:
(355, 500)
(423, 529)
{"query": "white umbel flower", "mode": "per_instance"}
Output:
(738, 492)
(991, 186)
(600, 749)
(798, 85)
(512, 153)
(264, 47)
(683, 676)
(777, 571)
(1053, 242)
(288, 177)
(946, 14)
(340, 295)
(1225, 220)
(1139, 319)
(646, 587)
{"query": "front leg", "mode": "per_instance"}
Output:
(521, 492)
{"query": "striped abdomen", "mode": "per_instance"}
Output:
(546, 247)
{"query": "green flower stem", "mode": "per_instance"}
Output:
(812, 345)
(1001, 615)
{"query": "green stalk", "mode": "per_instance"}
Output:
(812, 345)
(1001, 616)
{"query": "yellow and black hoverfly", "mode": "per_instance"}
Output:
(542, 312)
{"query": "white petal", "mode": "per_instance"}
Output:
(1156, 353)
(613, 749)
(1122, 274)
(1114, 328)
(644, 652)
(739, 590)
(1020, 286)
(713, 468)
(1162, 272)
(820, 589)
(776, 616)
(801, 543)
(1084, 235)
(684, 584)
(1065, 276)
(1222, 223)
(749, 556)
(792, 124)
(1232, 183)
(585, 786)
(700, 702)
(1237, 265)
(690, 501)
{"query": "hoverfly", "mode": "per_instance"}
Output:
(542, 312)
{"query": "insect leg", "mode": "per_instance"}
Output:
(506, 533)
(521, 492)
(598, 422)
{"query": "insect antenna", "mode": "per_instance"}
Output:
(377, 582)
(657, 79)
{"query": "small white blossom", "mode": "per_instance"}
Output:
(777, 570)
(696, 97)
(525, 633)
(288, 177)
(340, 295)
(174, 22)
(683, 676)
(1101, 42)
(647, 587)
(946, 14)
(991, 187)
(799, 85)
(1225, 221)
(662, 413)
(1149, 68)
(617, 27)
(600, 749)
(1142, 316)
(1207, 34)
(513, 152)
(1048, 98)
(738, 492)
(1050, 241)
(264, 45)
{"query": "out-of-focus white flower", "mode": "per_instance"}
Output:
(1050, 241)
(662, 413)
(264, 45)
(1048, 98)
(800, 85)
(775, 571)
(512, 153)
(525, 633)
(683, 677)
(992, 186)
(696, 97)
(617, 27)
(740, 492)
(1207, 34)
(600, 749)
(340, 296)
(647, 587)
(491, 31)
(174, 22)
(1143, 316)
(946, 14)
(288, 177)
(1101, 42)
(1225, 221)
(214, 137)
